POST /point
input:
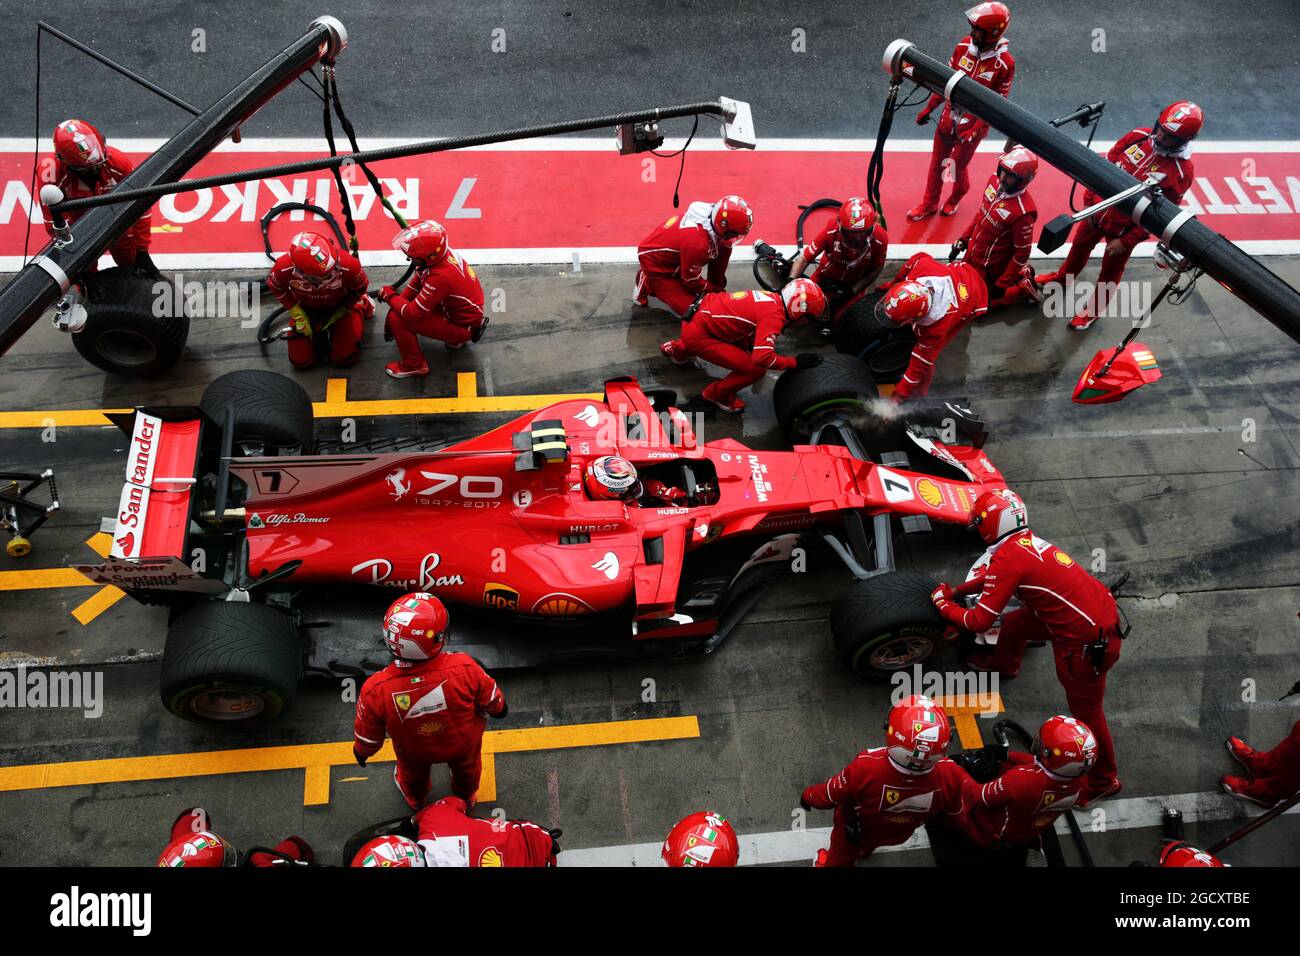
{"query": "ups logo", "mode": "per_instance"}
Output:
(500, 598)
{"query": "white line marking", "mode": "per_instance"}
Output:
(793, 846)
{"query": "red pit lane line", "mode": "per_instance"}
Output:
(539, 204)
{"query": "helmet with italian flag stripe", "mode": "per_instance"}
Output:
(917, 734)
(415, 627)
(702, 839)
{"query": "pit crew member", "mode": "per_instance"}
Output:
(393, 850)
(849, 252)
(937, 300)
(738, 331)
(985, 57)
(449, 836)
(688, 255)
(1162, 153)
(433, 703)
(323, 288)
(1061, 603)
(1271, 775)
(885, 793)
(1001, 234)
(85, 165)
(703, 839)
(443, 299)
(193, 844)
(1014, 809)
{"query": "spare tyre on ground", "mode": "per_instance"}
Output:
(122, 334)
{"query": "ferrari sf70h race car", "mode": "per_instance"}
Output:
(277, 557)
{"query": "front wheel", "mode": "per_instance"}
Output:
(887, 623)
(807, 397)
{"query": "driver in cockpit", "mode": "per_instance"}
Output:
(613, 478)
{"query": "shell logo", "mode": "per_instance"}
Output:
(669, 223)
(491, 857)
(430, 727)
(739, 295)
(561, 605)
(929, 492)
(1063, 559)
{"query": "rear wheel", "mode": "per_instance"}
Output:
(884, 347)
(887, 623)
(122, 334)
(227, 663)
(270, 409)
(805, 398)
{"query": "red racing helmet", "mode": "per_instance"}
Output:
(702, 839)
(731, 218)
(1065, 747)
(391, 850)
(992, 18)
(196, 848)
(996, 514)
(425, 241)
(905, 302)
(1182, 120)
(804, 299)
(917, 733)
(80, 145)
(1183, 854)
(416, 626)
(611, 478)
(857, 217)
(1019, 166)
(314, 256)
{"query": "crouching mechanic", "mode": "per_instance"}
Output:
(937, 300)
(194, 845)
(849, 252)
(738, 331)
(433, 703)
(1271, 775)
(1062, 603)
(884, 794)
(323, 288)
(443, 300)
(85, 165)
(449, 836)
(1163, 154)
(999, 238)
(688, 255)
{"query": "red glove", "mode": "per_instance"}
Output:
(386, 293)
(923, 117)
(941, 595)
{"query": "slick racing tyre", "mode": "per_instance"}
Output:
(804, 398)
(887, 623)
(270, 410)
(226, 662)
(883, 346)
(122, 335)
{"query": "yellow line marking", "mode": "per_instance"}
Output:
(36, 579)
(101, 542)
(336, 405)
(316, 760)
(97, 604)
(963, 710)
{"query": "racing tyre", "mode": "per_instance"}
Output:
(270, 409)
(122, 335)
(883, 346)
(887, 623)
(230, 663)
(806, 397)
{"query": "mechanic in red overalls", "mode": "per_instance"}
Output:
(449, 836)
(983, 56)
(1001, 234)
(849, 252)
(1062, 603)
(323, 288)
(391, 851)
(1163, 154)
(688, 255)
(433, 703)
(193, 845)
(1021, 803)
(1271, 775)
(85, 165)
(884, 794)
(937, 299)
(703, 839)
(738, 330)
(443, 300)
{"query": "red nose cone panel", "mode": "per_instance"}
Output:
(1135, 367)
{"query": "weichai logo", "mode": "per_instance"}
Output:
(500, 598)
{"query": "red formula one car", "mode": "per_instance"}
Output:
(277, 563)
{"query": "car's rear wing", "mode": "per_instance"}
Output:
(153, 512)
